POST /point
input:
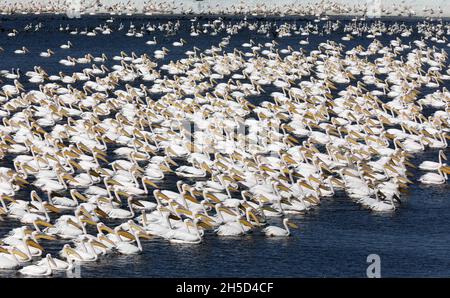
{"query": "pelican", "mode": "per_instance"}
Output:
(274, 231)
(21, 51)
(67, 45)
(9, 258)
(179, 43)
(37, 270)
(55, 263)
(432, 165)
(47, 53)
(436, 178)
(234, 228)
(128, 248)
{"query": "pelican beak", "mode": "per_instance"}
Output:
(268, 208)
(88, 221)
(391, 169)
(100, 156)
(126, 235)
(45, 236)
(165, 168)
(75, 164)
(114, 182)
(85, 213)
(9, 199)
(106, 229)
(173, 216)
(292, 139)
(99, 152)
(138, 228)
(100, 212)
(71, 222)
(196, 192)
(283, 188)
(292, 225)
(445, 169)
(253, 216)
(52, 208)
(206, 168)
(205, 218)
(53, 109)
(184, 211)
(191, 198)
(267, 169)
(263, 199)
(69, 178)
(94, 173)
(71, 251)
(48, 156)
(285, 201)
(121, 193)
(312, 200)
(410, 164)
(314, 179)
(409, 155)
(20, 253)
(328, 95)
(137, 203)
(204, 225)
(208, 204)
(373, 151)
(34, 244)
(31, 169)
(151, 183)
(212, 197)
(337, 182)
(230, 180)
(104, 238)
(350, 174)
(171, 161)
(44, 223)
(103, 200)
(404, 180)
(246, 223)
(144, 235)
(289, 160)
(21, 180)
(80, 196)
(99, 244)
(102, 171)
(306, 185)
(226, 210)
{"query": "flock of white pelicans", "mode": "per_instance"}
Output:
(248, 133)
(232, 7)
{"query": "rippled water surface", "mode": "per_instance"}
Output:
(333, 240)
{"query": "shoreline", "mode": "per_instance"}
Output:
(250, 16)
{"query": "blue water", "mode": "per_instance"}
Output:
(333, 240)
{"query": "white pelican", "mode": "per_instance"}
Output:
(37, 270)
(21, 51)
(279, 232)
(436, 178)
(67, 45)
(47, 53)
(432, 165)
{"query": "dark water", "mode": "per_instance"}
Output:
(333, 240)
